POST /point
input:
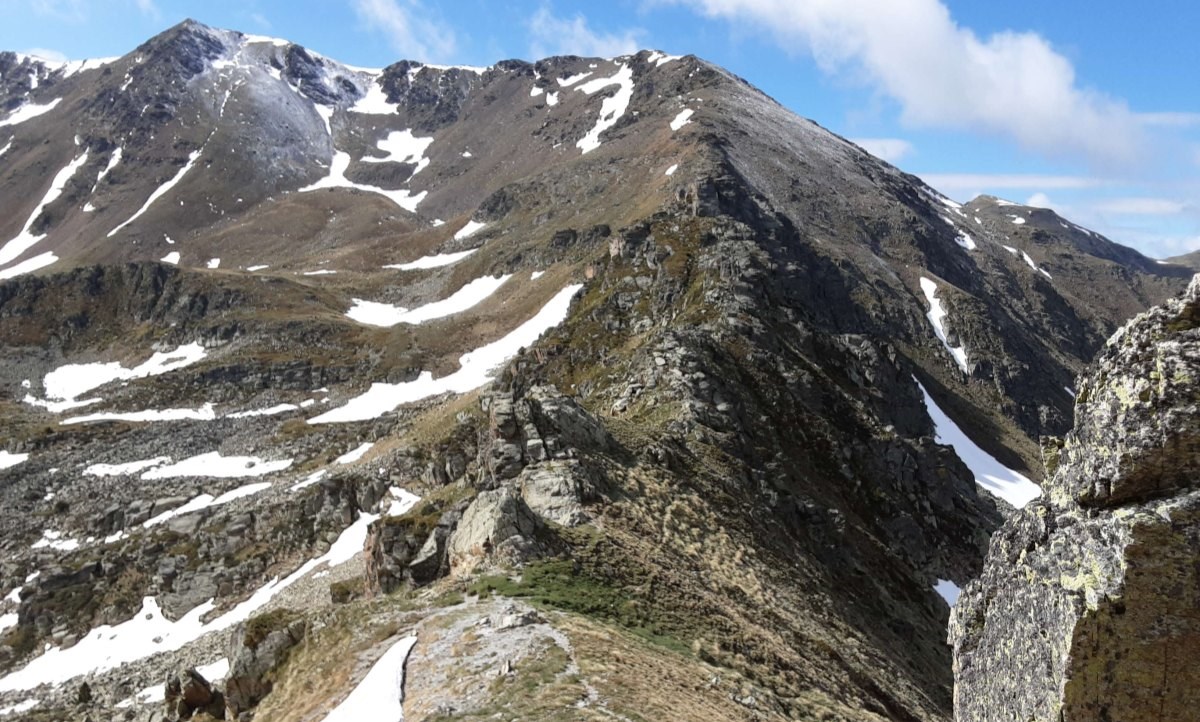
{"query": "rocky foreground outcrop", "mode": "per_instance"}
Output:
(1089, 605)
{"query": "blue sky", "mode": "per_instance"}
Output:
(1091, 108)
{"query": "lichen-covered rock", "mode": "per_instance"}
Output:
(1089, 604)
(257, 649)
(498, 526)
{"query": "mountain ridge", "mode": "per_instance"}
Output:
(724, 445)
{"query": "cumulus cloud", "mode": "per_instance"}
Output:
(1011, 84)
(50, 54)
(552, 35)
(410, 28)
(892, 150)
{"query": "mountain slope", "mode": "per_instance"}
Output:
(723, 450)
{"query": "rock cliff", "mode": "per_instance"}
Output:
(1089, 604)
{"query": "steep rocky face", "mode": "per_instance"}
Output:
(1088, 607)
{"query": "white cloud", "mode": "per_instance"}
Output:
(148, 8)
(1041, 200)
(1169, 120)
(551, 35)
(892, 150)
(409, 27)
(1141, 206)
(944, 75)
(53, 56)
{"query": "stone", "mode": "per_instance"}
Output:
(498, 524)
(555, 491)
(256, 650)
(1089, 604)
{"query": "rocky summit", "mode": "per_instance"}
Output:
(586, 388)
(1087, 606)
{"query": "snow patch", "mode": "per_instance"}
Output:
(936, 317)
(205, 501)
(149, 632)
(29, 265)
(1017, 220)
(436, 261)
(611, 109)
(204, 413)
(54, 540)
(29, 111)
(25, 239)
(260, 267)
(337, 179)
(309, 480)
(379, 696)
(402, 146)
(172, 258)
(682, 119)
(161, 190)
(672, 169)
(66, 383)
(569, 81)
(386, 315)
(126, 469)
(1005, 483)
(468, 230)
(7, 460)
(270, 411)
(475, 368)
(375, 102)
(354, 455)
(214, 466)
(214, 263)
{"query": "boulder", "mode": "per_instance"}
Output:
(1089, 604)
(498, 525)
(256, 650)
(555, 491)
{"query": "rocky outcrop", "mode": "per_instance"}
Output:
(1089, 605)
(257, 649)
(499, 526)
(189, 694)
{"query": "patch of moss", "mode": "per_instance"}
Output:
(569, 586)
(260, 627)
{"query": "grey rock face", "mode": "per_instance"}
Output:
(498, 525)
(1089, 605)
(255, 652)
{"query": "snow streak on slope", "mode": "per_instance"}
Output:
(29, 265)
(475, 370)
(682, 119)
(149, 632)
(469, 230)
(437, 261)
(936, 316)
(387, 315)
(7, 460)
(65, 384)
(26, 240)
(611, 109)
(337, 179)
(29, 111)
(375, 102)
(997, 478)
(204, 413)
(402, 146)
(380, 696)
(214, 466)
(354, 454)
(161, 190)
